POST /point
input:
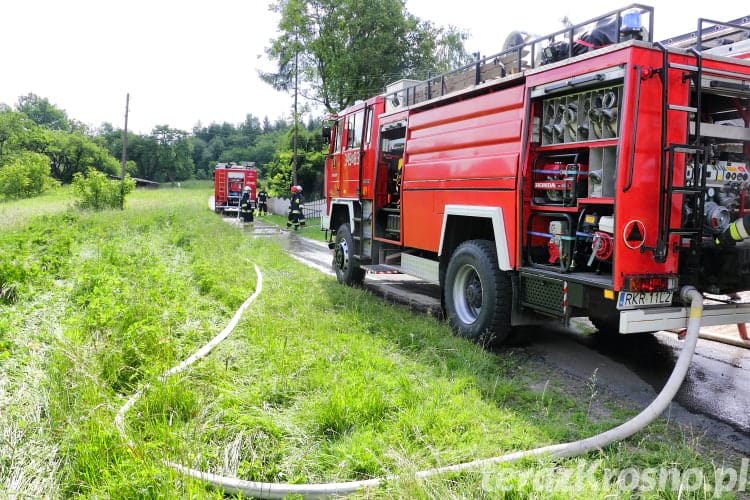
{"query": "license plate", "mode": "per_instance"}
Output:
(634, 300)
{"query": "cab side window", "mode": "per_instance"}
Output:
(337, 138)
(355, 125)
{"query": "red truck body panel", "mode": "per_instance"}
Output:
(467, 153)
(577, 173)
(228, 185)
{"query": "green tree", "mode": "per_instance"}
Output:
(25, 175)
(310, 159)
(43, 113)
(450, 52)
(174, 154)
(344, 50)
(71, 153)
(267, 127)
(251, 129)
(110, 138)
(13, 127)
(202, 168)
(142, 149)
(94, 191)
(265, 149)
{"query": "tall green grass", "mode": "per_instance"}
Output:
(318, 383)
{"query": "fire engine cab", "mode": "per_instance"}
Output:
(589, 172)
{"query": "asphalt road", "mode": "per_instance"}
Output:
(714, 399)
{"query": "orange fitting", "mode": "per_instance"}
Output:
(742, 328)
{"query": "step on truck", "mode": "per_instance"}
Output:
(589, 172)
(229, 180)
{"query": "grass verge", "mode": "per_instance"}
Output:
(319, 382)
(311, 229)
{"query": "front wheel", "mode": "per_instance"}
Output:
(478, 295)
(345, 264)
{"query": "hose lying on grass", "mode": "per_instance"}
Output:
(323, 490)
(200, 353)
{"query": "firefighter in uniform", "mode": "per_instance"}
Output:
(246, 205)
(301, 206)
(262, 202)
(296, 205)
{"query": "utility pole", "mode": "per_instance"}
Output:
(124, 153)
(296, 132)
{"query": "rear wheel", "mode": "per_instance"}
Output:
(345, 264)
(478, 295)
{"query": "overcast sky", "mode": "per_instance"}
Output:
(184, 61)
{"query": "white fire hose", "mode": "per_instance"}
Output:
(259, 489)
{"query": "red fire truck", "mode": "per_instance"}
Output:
(589, 172)
(229, 180)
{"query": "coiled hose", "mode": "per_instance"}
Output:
(649, 414)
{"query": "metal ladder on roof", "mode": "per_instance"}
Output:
(694, 188)
(720, 34)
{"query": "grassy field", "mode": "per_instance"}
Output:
(319, 382)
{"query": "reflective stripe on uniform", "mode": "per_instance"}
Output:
(738, 231)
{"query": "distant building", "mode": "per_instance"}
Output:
(138, 181)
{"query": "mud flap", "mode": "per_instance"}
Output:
(550, 296)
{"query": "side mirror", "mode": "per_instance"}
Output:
(326, 133)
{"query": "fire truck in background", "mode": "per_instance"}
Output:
(589, 172)
(229, 180)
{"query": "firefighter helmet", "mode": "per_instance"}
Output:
(299, 188)
(246, 189)
(294, 189)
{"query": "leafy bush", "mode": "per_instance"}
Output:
(25, 175)
(94, 191)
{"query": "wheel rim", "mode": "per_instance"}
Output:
(342, 255)
(467, 294)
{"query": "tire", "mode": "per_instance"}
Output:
(478, 295)
(345, 264)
